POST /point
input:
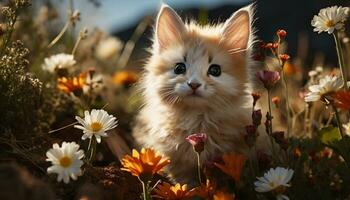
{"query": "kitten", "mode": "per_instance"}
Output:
(196, 81)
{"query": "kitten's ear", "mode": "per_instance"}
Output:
(169, 27)
(237, 29)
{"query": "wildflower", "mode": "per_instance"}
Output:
(205, 191)
(58, 62)
(272, 46)
(176, 192)
(257, 116)
(108, 48)
(66, 161)
(284, 58)
(268, 78)
(145, 164)
(125, 78)
(319, 69)
(73, 85)
(256, 97)
(290, 69)
(281, 34)
(347, 128)
(276, 100)
(233, 165)
(219, 195)
(275, 181)
(327, 85)
(197, 140)
(312, 73)
(96, 123)
(342, 99)
(330, 19)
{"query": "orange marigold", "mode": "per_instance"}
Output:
(72, 84)
(125, 78)
(223, 196)
(233, 165)
(170, 192)
(205, 191)
(342, 99)
(145, 164)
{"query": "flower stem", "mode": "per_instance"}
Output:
(287, 102)
(270, 125)
(341, 60)
(199, 167)
(270, 111)
(338, 120)
(144, 190)
(59, 36)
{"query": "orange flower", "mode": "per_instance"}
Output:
(205, 191)
(342, 99)
(223, 196)
(72, 84)
(233, 165)
(125, 78)
(276, 100)
(176, 192)
(290, 69)
(145, 164)
(284, 57)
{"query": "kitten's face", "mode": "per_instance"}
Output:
(199, 66)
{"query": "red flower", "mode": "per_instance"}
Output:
(284, 57)
(342, 99)
(197, 140)
(268, 78)
(256, 97)
(281, 34)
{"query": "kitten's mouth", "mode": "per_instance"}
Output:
(194, 94)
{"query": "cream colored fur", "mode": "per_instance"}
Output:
(223, 107)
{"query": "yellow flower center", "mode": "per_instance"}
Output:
(279, 190)
(65, 161)
(96, 126)
(330, 23)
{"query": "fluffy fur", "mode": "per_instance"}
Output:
(220, 107)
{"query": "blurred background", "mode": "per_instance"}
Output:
(120, 18)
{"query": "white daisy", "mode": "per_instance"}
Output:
(326, 85)
(66, 161)
(330, 19)
(275, 181)
(108, 48)
(347, 128)
(58, 61)
(96, 124)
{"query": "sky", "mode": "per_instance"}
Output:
(116, 15)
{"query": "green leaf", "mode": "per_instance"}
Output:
(328, 135)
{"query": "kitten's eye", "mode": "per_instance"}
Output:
(180, 68)
(214, 70)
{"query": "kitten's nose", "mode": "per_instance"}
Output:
(194, 85)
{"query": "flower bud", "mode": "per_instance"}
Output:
(256, 117)
(197, 140)
(268, 78)
(281, 34)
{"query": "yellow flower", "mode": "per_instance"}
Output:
(176, 192)
(223, 196)
(74, 84)
(125, 78)
(145, 164)
(233, 165)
